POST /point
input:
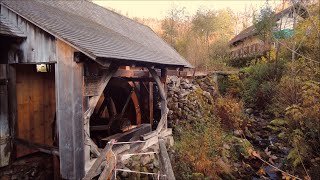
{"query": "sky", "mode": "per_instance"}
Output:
(158, 9)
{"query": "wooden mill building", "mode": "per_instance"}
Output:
(71, 68)
(248, 45)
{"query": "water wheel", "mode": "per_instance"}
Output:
(117, 110)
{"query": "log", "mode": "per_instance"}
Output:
(165, 161)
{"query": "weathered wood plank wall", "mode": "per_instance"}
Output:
(69, 96)
(39, 47)
(4, 118)
(35, 106)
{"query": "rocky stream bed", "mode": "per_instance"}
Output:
(261, 133)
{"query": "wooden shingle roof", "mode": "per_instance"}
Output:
(9, 29)
(96, 31)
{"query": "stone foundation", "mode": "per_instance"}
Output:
(181, 105)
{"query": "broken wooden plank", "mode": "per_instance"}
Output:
(150, 142)
(92, 171)
(149, 135)
(120, 148)
(108, 168)
(165, 161)
(107, 171)
(166, 132)
(131, 135)
(41, 147)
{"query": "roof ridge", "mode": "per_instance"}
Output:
(118, 14)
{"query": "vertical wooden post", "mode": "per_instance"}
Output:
(164, 73)
(164, 108)
(151, 102)
(12, 92)
(165, 161)
(4, 117)
(69, 96)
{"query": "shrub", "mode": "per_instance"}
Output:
(259, 83)
(230, 113)
(304, 124)
(198, 142)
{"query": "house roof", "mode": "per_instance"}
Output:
(8, 29)
(250, 31)
(96, 31)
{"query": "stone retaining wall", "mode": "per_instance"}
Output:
(181, 105)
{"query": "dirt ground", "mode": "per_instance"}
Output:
(35, 166)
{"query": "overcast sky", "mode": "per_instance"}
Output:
(158, 9)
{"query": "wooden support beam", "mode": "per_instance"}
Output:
(69, 101)
(41, 147)
(145, 79)
(164, 74)
(151, 103)
(165, 161)
(12, 96)
(4, 117)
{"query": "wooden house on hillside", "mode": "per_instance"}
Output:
(247, 44)
(72, 71)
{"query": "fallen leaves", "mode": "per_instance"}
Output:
(261, 172)
(286, 176)
(271, 157)
(253, 153)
